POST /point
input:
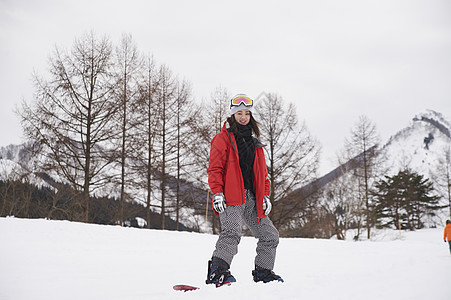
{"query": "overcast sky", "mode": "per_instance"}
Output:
(336, 60)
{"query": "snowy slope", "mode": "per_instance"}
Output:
(43, 259)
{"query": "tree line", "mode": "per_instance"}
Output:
(27, 200)
(363, 195)
(109, 121)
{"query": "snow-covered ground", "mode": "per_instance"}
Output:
(41, 259)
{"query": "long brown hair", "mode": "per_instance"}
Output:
(233, 126)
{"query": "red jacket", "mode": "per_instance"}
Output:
(447, 232)
(224, 172)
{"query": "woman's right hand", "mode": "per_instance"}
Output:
(219, 202)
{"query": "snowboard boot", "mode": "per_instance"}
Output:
(218, 275)
(265, 275)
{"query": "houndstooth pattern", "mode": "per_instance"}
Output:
(231, 222)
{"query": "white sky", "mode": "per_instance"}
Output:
(388, 60)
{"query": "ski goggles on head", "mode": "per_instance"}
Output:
(238, 100)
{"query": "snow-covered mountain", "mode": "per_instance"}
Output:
(16, 163)
(421, 145)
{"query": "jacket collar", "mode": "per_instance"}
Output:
(226, 128)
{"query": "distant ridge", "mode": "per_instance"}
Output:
(421, 129)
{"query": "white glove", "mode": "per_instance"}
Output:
(219, 203)
(267, 205)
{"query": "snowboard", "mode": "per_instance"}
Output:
(184, 287)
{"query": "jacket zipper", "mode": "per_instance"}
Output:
(243, 196)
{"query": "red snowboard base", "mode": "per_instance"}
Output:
(184, 287)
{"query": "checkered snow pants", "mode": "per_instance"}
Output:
(231, 223)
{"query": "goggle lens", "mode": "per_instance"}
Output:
(238, 100)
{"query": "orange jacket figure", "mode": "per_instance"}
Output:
(447, 231)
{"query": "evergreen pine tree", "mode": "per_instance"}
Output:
(403, 200)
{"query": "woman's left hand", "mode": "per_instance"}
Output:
(267, 205)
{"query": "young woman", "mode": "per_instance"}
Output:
(237, 177)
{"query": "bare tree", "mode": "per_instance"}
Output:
(128, 66)
(165, 95)
(215, 112)
(292, 153)
(342, 201)
(442, 176)
(183, 118)
(71, 116)
(10, 174)
(211, 117)
(364, 142)
(147, 127)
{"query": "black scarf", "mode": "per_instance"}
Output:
(246, 153)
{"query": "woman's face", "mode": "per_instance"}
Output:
(243, 116)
